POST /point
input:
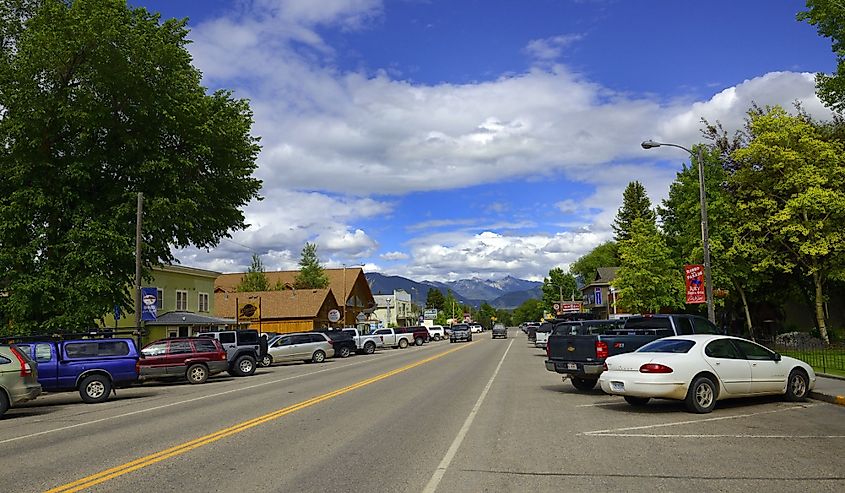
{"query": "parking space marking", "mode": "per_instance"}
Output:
(598, 404)
(140, 463)
(186, 401)
(693, 421)
(646, 435)
(431, 487)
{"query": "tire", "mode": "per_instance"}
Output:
(369, 348)
(419, 341)
(318, 356)
(701, 396)
(343, 352)
(797, 386)
(196, 373)
(4, 404)
(403, 343)
(94, 389)
(583, 383)
(244, 366)
(267, 360)
(451, 341)
(636, 401)
(436, 337)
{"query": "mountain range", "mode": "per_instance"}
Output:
(508, 292)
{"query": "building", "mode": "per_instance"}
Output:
(289, 310)
(395, 309)
(599, 296)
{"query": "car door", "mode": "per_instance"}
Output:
(386, 336)
(282, 349)
(227, 340)
(729, 365)
(767, 375)
(155, 359)
(303, 346)
(177, 352)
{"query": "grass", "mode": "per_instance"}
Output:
(823, 360)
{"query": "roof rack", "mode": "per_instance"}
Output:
(100, 334)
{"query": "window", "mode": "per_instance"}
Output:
(94, 349)
(317, 338)
(753, 351)
(721, 348)
(205, 346)
(43, 353)
(113, 348)
(203, 302)
(248, 337)
(226, 337)
(155, 349)
(181, 301)
(4, 360)
(683, 326)
(301, 339)
(180, 347)
(703, 326)
(159, 299)
(667, 346)
(283, 341)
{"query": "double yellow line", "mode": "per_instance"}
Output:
(180, 449)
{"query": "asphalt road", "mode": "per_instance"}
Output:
(480, 416)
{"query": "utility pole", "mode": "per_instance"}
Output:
(138, 218)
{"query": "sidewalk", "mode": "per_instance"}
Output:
(830, 390)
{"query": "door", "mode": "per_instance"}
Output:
(387, 336)
(175, 358)
(155, 359)
(282, 349)
(303, 347)
(767, 375)
(227, 340)
(732, 369)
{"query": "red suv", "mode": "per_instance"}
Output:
(194, 359)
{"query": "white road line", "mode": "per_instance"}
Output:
(600, 404)
(645, 435)
(431, 487)
(692, 421)
(179, 403)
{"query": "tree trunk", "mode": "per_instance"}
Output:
(817, 280)
(745, 308)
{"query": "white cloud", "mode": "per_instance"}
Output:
(395, 256)
(551, 48)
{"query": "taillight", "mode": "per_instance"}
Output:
(26, 370)
(655, 368)
(601, 350)
(221, 356)
(137, 367)
(331, 342)
(548, 351)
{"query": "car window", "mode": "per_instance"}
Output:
(180, 347)
(753, 351)
(4, 360)
(703, 326)
(382, 331)
(155, 349)
(24, 348)
(283, 341)
(318, 338)
(667, 346)
(683, 326)
(205, 346)
(301, 339)
(43, 352)
(248, 337)
(226, 337)
(647, 323)
(721, 348)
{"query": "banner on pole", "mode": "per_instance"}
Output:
(694, 275)
(149, 304)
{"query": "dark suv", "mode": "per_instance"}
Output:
(243, 349)
(194, 359)
(344, 344)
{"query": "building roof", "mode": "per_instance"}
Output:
(604, 275)
(290, 303)
(229, 282)
(188, 318)
(181, 269)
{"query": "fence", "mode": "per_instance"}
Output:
(824, 359)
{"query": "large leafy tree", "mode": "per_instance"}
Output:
(435, 299)
(529, 311)
(604, 255)
(255, 279)
(790, 198)
(311, 274)
(635, 205)
(99, 101)
(829, 18)
(559, 285)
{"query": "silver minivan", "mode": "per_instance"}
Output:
(301, 346)
(18, 378)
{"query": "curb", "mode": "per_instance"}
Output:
(833, 399)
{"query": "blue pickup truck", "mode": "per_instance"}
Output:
(94, 367)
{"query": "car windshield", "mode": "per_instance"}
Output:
(460, 327)
(667, 346)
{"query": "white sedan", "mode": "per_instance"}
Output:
(703, 369)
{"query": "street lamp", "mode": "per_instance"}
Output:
(705, 233)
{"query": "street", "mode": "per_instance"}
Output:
(479, 416)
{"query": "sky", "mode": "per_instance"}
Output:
(451, 139)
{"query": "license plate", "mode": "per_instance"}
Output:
(617, 386)
(571, 366)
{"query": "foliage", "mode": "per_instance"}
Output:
(829, 18)
(648, 279)
(311, 274)
(635, 205)
(255, 279)
(790, 197)
(604, 255)
(435, 299)
(99, 101)
(530, 311)
(559, 285)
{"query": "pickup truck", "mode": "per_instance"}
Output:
(365, 343)
(419, 333)
(395, 339)
(580, 357)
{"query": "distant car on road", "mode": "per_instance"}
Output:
(436, 332)
(499, 330)
(703, 369)
(192, 358)
(460, 332)
(18, 378)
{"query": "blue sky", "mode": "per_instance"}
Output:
(452, 139)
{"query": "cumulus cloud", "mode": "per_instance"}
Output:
(551, 48)
(395, 256)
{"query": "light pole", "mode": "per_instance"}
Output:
(705, 233)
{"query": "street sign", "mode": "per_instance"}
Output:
(334, 315)
(430, 314)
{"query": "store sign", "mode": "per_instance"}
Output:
(430, 314)
(694, 275)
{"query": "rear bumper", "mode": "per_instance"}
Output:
(616, 385)
(589, 370)
(215, 367)
(24, 393)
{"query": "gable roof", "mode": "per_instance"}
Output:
(606, 274)
(229, 282)
(299, 303)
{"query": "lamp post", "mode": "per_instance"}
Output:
(705, 233)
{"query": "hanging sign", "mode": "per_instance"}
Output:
(694, 275)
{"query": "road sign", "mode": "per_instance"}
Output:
(430, 314)
(334, 316)
(556, 306)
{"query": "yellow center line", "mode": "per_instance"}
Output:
(182, 448)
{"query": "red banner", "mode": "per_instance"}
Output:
(694, 275)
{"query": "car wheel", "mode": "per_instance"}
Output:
(197, 373)
(343, 352)
(95, 388)
(797, 386)
(437, 337)
(583, 383)
(318, 357)
(267, 360)
(419, 341)
(403, 343)
(701, 396)
(4, 404)
(369, 348)
(245, 366)
(636, 401)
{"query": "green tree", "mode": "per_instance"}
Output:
(648, 279)
(435, 299)
(529, 311)
(559, 285)
(635, 205)
(311, 274)
(485, 314)
(99, 102)
(791, 201)
(829, 18)
(604, 255)
(255, 279)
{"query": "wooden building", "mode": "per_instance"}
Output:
(290, 310)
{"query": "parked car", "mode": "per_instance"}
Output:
(476, 328)
(194, 359)
(94, 367)
(586, 327)
(395, 339)
(499, 330)
(460, 332)
(18, 378)
(436, 332)
(581, 357)
(365, 343)
(342, 341)
(541, 334)
(244, 348)
(302, 346)
(419, 333)
(703, 369)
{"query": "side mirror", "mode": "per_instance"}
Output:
(777, 356)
